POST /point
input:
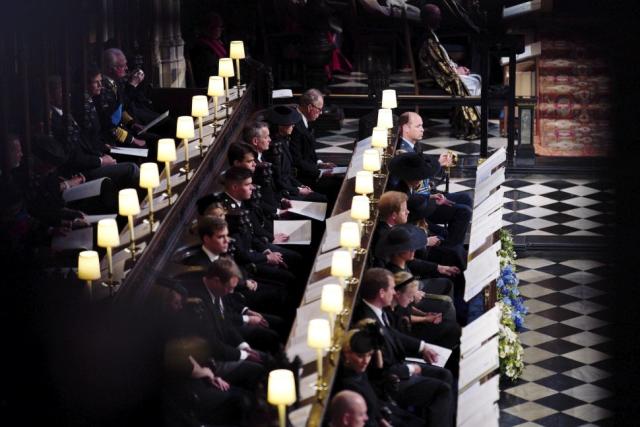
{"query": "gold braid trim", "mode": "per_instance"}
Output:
(121, 135)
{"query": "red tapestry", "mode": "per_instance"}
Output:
(573, 111)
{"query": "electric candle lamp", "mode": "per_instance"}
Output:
(281, 391)
(225, 70)
(215, 89)
(349, 235)
(379, 139)
(236, 51)
(167, 154)
(319, 338)
(385, 118)
(200, 109)
(371, 160)
(389, 99)
(341, 264)
(88, 268)
(364, 182)
(129, 206)
(360, 209)
(332, 303)
(184, 131)
(108, 237)
(149, 179)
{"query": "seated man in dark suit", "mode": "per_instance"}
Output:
(260, 296)
(123, 105)
(243, 155)
(236, 361)
(421, 386)
(411, 132)
(238, 189)
(312, 171)
(393, 210)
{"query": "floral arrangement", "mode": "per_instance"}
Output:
(507, 253)
(512, 309)
(509, 294)
(510, 349)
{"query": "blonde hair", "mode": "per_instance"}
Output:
(403, 276)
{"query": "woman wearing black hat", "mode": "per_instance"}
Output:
(359, 346)
(397, 248)
(282, 120)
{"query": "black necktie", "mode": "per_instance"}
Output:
(218, 303)
(385, 319)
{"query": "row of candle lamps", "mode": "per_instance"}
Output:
(321, 332)
(128, 204)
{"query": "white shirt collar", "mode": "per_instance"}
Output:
(57, 110)
(212, 257)
(238, 202)
(304, 119)
(376, 310)
(213, 297)
(259, 156)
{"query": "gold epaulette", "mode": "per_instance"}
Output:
(121, 135)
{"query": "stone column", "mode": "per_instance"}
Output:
(168, 60)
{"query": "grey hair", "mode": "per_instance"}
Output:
(109, 57)
(253, 130)
(310, 97)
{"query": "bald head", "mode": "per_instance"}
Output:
(410, 125)
(348, 409)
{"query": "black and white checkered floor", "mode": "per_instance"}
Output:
(567, 380)
(539, 206)
(567, 337)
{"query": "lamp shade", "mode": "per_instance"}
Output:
(341, 264)
(319, 334)
(281, 389)
(349, 235)
(199, 106)
(216, 86)
(332, 299)
(360, 208)
(88, 265)
(236, 49)
(128, 202)
(184, 127)
(166, 150)
(149, 175)
(379, 137)
(389, 99)
(371, 160)
(225, 67)
(364, 182)
(385, 118)
(108, 235)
